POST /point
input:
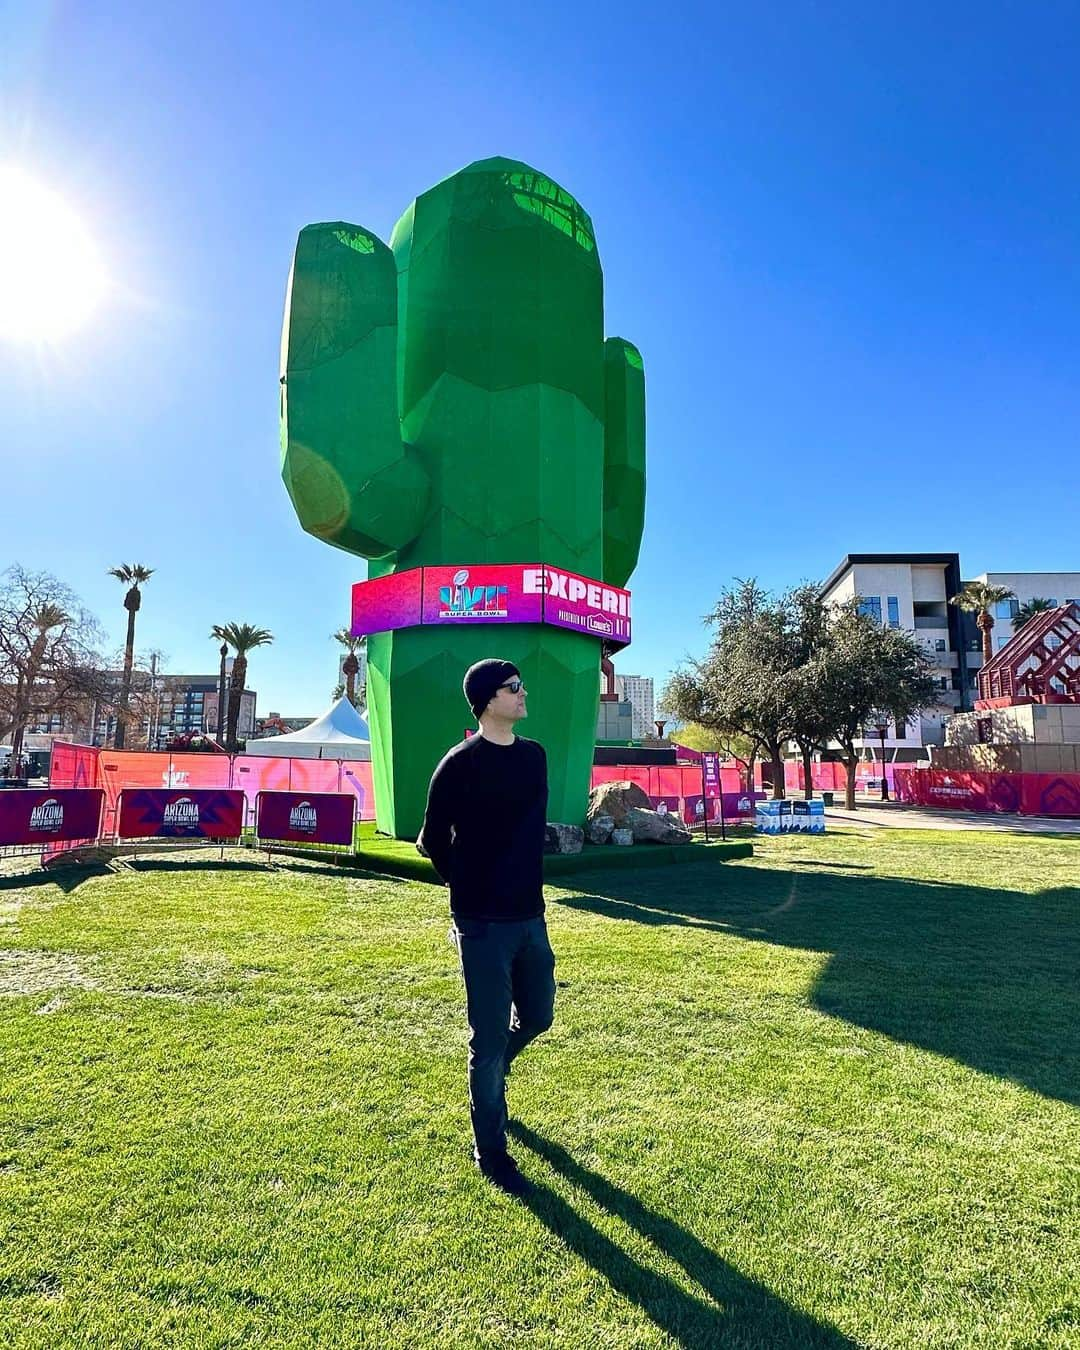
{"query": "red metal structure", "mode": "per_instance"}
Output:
(1040, 664)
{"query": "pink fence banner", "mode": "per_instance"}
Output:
(46, 815)
(261, 773)
(1029, 794)
(306, 818)
(187, 813)
(73, 766)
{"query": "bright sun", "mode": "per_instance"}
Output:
(51, 278)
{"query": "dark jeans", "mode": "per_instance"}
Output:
(509, 971)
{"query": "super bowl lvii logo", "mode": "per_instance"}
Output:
(460, 600)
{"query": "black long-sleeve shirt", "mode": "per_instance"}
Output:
(484, 828)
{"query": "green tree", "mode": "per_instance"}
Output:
(979, 598)
(1028, 610)
(242, 638)
(863, 673)
(809, 710)
(131, 575)
(733, 746)
(745, 684)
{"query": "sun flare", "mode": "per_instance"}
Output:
(51, 276)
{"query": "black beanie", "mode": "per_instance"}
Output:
(483, 679)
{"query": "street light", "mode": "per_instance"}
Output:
(221, 694)
(883, 731)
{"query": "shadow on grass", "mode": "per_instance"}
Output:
(742, 1313)
(984, 976)
(69, 878)
(280, 864)
(66, 879)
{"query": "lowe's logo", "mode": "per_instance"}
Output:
(462, 601)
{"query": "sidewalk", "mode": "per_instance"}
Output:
(895, 815)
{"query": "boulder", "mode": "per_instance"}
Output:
(622, 837)
(563, 838)
(598, 830)
(614, 800)
(650, 827)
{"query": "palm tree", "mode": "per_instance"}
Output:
(43, 620)
(132, 575)
(243, 638)
(350, 667)
(979, 598)
(1029, 609)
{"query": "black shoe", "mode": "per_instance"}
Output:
(502, 1171)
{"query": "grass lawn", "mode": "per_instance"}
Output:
(826, 1096)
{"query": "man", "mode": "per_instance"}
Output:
(484, 833)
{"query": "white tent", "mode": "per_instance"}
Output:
(340, 733)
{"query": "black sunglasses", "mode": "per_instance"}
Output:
(513, 685)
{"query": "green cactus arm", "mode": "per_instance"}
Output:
(352, 481)
(624, 458)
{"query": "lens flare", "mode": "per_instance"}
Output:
(51, 276)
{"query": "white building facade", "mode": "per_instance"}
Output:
(1058, 587)
(911, 592)
(637, 690)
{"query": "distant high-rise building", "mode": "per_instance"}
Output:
(637, 690)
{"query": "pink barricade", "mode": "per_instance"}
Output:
(48, 817)
(114, 770)
(180, 813)
(263, 773)
(1030, 794)
(306, 817)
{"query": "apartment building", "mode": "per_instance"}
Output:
(911, 591)
(164, 706)
(1059, 588)
(638, 691)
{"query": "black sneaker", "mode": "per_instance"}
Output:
(502, 1171)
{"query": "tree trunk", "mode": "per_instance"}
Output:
(750, 765)
(236, 688)
(986, 627)
(125, 682)
(808, 776)
(850, 761)
(16, 749)
(351, 668)
(779, 791)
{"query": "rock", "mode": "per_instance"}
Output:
(563, 838)
(623, 837)
(653, 828)
(599, 829)
(614, 800)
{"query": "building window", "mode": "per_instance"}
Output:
(940, 645)
(894, 611)
(1001, 642)
(871, 604)
(1053, 602)
(943, 682)
(901, 731)
(1005, 609)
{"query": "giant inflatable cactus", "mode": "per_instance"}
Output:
(451, 400)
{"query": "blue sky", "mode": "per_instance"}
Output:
(844, 236)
